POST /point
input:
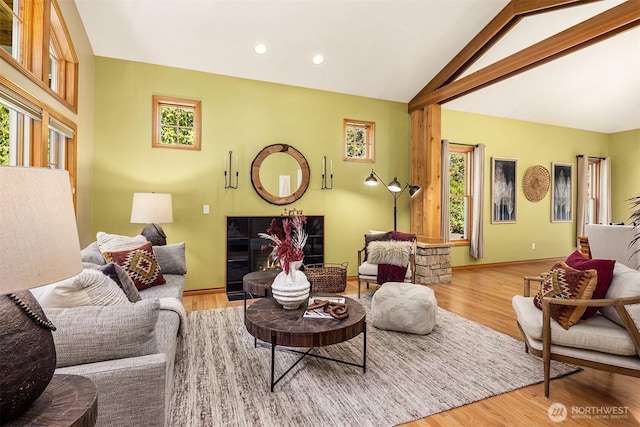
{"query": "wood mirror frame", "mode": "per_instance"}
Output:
(255, 174)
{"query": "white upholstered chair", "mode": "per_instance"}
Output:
(614, 242)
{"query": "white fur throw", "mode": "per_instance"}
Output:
(394, 253)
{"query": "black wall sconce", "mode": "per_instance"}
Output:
(324, 174)
(228, 180)
(396, 189)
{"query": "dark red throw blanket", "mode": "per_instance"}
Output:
(391, 273)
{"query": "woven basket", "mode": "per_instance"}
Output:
(535, 183)
(327, 277)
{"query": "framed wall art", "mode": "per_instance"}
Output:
(504, 204)
(561, 194)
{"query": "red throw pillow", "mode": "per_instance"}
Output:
(568, 283)
(604, 267)
(140, 264)
(400, 236)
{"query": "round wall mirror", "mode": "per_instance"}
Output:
(278, 179)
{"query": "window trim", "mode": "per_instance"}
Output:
(370, 140)
(158, 101)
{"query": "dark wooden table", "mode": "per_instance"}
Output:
(68, 401)
(267, 321)
(258, 284)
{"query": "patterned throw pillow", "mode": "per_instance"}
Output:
(567, 283)
(140, 264)
(604, 267)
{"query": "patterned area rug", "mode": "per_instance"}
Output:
(222, 380)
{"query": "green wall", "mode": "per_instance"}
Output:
(531, 144)
(243, 116)
(624, 149)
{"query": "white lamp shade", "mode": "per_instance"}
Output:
(151, 208)
(38, 232)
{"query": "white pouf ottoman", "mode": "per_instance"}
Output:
(404, 307)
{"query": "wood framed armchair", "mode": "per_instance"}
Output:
(369, 267)
(597, 342)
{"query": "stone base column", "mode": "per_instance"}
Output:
(433, 263)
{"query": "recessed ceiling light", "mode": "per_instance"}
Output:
(260, 49)
(318, 59)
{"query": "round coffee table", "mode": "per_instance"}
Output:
(267, 321)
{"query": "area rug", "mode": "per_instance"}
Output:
(222, 380)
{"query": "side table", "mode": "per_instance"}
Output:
(258, 283)
(68, 401)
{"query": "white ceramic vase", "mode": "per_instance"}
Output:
(291, 290)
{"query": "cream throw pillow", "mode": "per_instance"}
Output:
(115, 242)
(393, 252)
(90, 287)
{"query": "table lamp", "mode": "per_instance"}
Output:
(152, 209)
(38, 246)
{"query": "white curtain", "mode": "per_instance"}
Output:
(604, 202)
(582, 203)
(444, 203)
(476, 250)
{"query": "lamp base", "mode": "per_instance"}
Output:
(154, 234)
(27, 355)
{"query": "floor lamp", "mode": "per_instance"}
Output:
(396, 189)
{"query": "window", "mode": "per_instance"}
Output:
(593, 190)
(10, 26)
(359, 140)
(176, 123)
(34, 40)
(460, 175)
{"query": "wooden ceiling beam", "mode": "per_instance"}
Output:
(500, 25)
(586, 33)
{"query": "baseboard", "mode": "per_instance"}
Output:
(204, 291)
(503, 264)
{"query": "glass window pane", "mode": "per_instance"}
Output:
(168, 116)
(10, 26)
(4, 136)
(169, 135)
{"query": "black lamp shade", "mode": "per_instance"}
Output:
(414, 189)
(371, 179)
(394, 185)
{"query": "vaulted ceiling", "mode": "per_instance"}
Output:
(385, 49)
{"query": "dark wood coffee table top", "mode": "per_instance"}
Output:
(68, 401)
(259, 282)
(266, 318)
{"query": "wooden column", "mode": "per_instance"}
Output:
(425, 172)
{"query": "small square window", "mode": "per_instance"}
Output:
(359, 141)
(176, 123)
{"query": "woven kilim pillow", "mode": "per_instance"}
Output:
(568, 283)
(140, 264)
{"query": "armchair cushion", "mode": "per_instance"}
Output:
(566, 282)
(625, 283)
(367, 269)
(604, 267)
(375, 236)
(596, 333)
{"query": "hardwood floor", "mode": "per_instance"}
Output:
(483, 294)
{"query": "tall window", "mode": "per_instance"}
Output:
(460, 175)
(593, 190)
(359, 139)
(10, 26)
(20, 126)
(176, 123)
(34, 40)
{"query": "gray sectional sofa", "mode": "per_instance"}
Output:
(128, 350)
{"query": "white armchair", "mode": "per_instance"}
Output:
(614, 242)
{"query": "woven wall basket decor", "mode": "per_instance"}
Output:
(535, 183)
